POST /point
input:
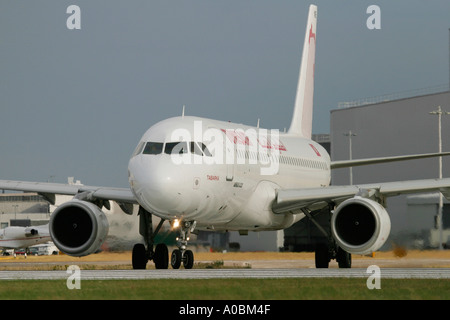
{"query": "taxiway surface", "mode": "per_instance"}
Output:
(387, 273)
(423, 264)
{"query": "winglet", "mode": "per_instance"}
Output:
(303, 109)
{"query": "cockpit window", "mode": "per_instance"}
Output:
(195, 149)
(176, 147)
(181, 147)
(139, 148)
(153, 148)
(200, 149)
(206, 151)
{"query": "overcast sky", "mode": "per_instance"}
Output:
(76, 102)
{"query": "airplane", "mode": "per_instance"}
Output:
(23, 237)
(205, 174)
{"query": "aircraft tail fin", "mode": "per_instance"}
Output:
(303, 109)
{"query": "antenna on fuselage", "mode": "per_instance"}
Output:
(182, 112)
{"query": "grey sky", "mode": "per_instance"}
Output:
(76, 102)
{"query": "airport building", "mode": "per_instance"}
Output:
(389, 126)
(23, 209)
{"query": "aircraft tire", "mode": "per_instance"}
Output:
(322, 256)
(188, 259)
(175, 260)
(139, 257)
(343, 258)
(161, 258)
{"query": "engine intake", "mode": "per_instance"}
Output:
(360, 225)
(78, 228)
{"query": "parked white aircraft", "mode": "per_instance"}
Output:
(204, 174)
(23, 237)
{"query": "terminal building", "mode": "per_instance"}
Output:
(23, 209)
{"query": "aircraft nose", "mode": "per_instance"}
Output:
(160, 186)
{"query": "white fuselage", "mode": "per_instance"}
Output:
(228, 180)
(21, 237)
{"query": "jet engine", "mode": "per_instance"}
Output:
(360, 225)
(78, 228)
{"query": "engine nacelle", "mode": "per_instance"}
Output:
(360, 225)
(78, 228)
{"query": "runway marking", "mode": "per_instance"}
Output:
(387, 273)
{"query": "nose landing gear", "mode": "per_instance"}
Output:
(181, 255)
(142, 253)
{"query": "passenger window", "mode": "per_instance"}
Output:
(176, 147)
(153, 148)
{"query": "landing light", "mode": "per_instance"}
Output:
(175, 224)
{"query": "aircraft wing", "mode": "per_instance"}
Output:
(363, 162)
(122, 196)
(294, 200)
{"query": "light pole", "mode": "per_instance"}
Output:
(439, 113)
(350, 134)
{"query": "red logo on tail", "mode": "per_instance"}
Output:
(311, 35)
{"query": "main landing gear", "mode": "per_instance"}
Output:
(328, 248)
(325, 252)
(142, 253)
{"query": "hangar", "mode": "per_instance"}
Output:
(388, 126)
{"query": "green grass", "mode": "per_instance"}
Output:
(227, 289)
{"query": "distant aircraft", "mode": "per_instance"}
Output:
(203, 174)
(23, 237)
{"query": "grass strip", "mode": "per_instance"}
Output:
(227, 289)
